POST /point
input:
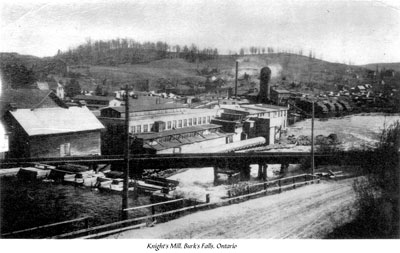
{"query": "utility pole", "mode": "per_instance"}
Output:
(312, 139)
(125, 193)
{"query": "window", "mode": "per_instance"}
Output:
(204, 120)
(133, 129)
(194, 121)
(138, 129)
(176, 150)
(169, 125)
(151, 127)
(185, 122)
(199, 120)
(180, 123)
(190, 121)
(65, 149)
(145, 128)
(208, 119)
(174, 124)
(229, 139)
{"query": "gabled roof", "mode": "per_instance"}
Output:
(28, 98)
(45, 121)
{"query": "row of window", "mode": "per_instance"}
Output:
(173, 124)
(274, 114)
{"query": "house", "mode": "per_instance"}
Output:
(57, 87)
(53, 132)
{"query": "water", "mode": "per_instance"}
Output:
(353, 131)
(30, 204)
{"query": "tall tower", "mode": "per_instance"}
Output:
(265, 77)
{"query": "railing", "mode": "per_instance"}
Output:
(281, 184)
(120, 226)
(38, 229)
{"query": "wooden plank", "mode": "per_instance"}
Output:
(46, 226)
(114, 231)
(155, 204)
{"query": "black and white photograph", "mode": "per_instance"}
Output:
(192, 125)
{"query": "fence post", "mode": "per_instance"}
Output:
(229, 196)
(279, 184)
(248, 191)
(87, 223)
(294, 183)
(153, 211)
(207, 198)
(305, 178)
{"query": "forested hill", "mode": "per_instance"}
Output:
(128, 51)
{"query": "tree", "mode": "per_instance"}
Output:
(18, 76)
(72, 88)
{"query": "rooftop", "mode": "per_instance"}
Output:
(97, 98)
(45, 121)
(147, 107)
(152, 136)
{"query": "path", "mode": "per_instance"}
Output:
(308, 212)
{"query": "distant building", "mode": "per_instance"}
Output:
(280, 96)
(154, 118)
(255, 120)
(57, 87)
(97, 102)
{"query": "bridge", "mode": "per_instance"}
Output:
(166, 161)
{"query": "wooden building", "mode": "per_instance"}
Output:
(53, 132)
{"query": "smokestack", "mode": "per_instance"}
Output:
(265, 76)
(236, 78)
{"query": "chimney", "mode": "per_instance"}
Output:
(265, 76)
(236, 78)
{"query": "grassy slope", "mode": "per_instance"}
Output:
(293, 67)
(395, 66)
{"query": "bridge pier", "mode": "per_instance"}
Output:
(215, 175)
(262, 171)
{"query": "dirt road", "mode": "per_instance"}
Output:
(307, 212)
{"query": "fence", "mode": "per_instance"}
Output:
(269, 186)
(46, 230)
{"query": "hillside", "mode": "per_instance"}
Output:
(395, 66)
(290, 71)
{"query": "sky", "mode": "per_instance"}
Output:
(359, 32)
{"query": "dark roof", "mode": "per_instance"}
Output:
(151, 136)
(96, 98)
(29, 98)
(151, 107)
